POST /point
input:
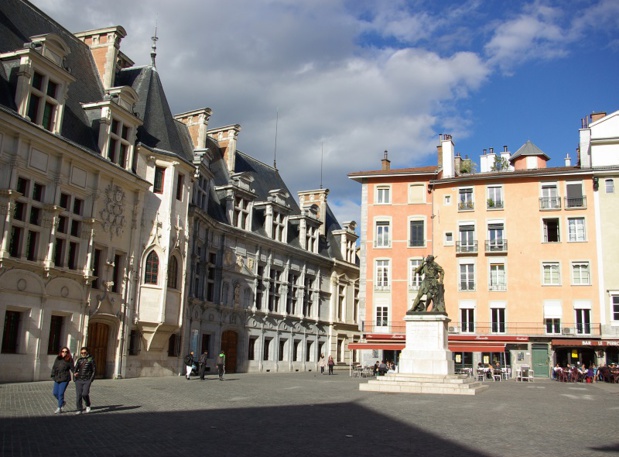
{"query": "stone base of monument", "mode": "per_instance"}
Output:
(426, 364)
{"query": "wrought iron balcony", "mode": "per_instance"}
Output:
(578, 202)
(466, 247)
(496, 246)
(549, 203)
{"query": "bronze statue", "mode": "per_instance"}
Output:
(432, 287)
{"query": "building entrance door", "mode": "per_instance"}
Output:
(229, 343)
(540, 360)
(97, 345)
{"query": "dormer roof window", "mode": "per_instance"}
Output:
(42, 80)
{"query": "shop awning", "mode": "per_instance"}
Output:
(471, 347)
(387, 346)
(586, 343)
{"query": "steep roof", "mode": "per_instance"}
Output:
(528, 149)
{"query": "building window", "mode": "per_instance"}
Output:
(251, 349)
(581, 275)
(575, 198)
(68, 233)
(282, 350)
(308, 295)
(498, 279)
(551, 274)
(279, 223)
(27, 220)
(43, 104)
(174, 345)
(10, 336)
(180, 181)
(296, 351)
(173, 273)
(495, 237)
(55, 335)
(293, 291)
(119, 145)
(117, 273)
(467, 320)
(550, 197)
(467, 241)
(447, 200)
(266, 352)
(96, 269)
(414, 278)
(417, 234)
(383, 239)
(382, 274)
(152, 268)
(382, 316)
(159, 180)
(610, 186)
(495, 197)
(553, 326)
(583, 321)
(135, 340)
(341, 303)
(449, 238)
(467, 277)
(416, 193)
(274, 290)
(498, 320)
(465, 199)
(615, 308)
(210, 278)
(551, 230)
(240, 215)
(383, 195)
(576, 229)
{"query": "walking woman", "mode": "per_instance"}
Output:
(84, 374)
(61, 374)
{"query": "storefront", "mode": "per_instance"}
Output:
(571, 351)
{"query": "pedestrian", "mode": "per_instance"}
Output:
(331, 363)
(61, 374)
(188, 365)
(202, 364)
(83, 376)
(221, 362)
(322, 363)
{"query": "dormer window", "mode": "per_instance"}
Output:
(43, 103)
(42, 80)
(279, 224)
(241, 212)
(119, 144)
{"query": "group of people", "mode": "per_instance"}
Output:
(381, 368)
(580, 372)
(190, 362)
(82, 371)
(329, 363)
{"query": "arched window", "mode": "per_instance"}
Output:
(152, 268)
(173, 273)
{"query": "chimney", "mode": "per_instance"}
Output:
(446, 156)
(317, 197)
(226, 138)
(197, 125)
(568, 161)
(386, 163)
(597, 116)
(104, 46)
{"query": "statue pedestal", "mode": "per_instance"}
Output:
(425, 365)
(426, 350)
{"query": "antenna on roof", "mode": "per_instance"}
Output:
(153, 52)
(275, 148)
(322, 153)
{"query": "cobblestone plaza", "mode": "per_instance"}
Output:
(305, 414)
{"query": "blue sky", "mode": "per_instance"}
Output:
(348, 79)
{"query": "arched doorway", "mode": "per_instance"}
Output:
(97, 344)
(229, 343)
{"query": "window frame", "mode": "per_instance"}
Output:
(382, 274)
(575, 233)
(416, 230)
(552, 266)
(383, 195)
(583, 278)
(382, 233)
(151, 268)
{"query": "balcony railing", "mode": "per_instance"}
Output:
(494, 204)
(496, 245)
(466, 206)
(466, 247)
(549, 203)
(579, 202)
(570, 330)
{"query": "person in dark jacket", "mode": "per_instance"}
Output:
(188, 365)
(202, 364)
(61, 374)
(83, 376)
(221, 364)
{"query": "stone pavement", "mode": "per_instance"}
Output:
(304, 414)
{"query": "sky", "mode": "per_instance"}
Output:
(322, 88)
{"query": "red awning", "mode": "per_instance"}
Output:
(471, 347)
(387, 346)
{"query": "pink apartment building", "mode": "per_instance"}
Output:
(517, 241)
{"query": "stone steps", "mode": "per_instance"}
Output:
(424, 384)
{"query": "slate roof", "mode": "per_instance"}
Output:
(528, 149)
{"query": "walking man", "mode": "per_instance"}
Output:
(188, 365)
(221, 363)
(202, 364)
(83, 376)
